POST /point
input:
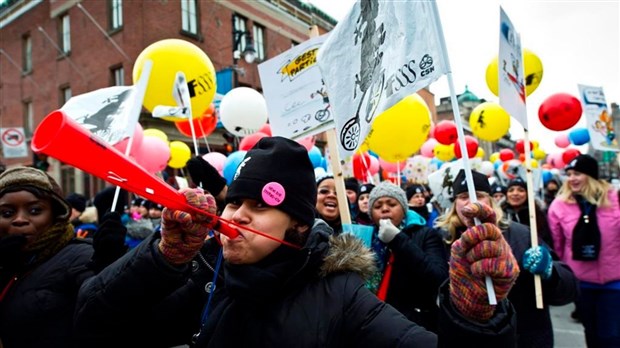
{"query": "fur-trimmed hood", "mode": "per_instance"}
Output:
(346, 253)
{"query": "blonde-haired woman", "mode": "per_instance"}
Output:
(584, 225)
(560, 287)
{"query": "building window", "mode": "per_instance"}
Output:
(118, 76)
(189, 16)
(65, 95)
(259, 42)
(116, 14)
(240, 25)
(28, 118)
(65, 33)
(27, 54)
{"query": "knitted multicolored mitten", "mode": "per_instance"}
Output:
(183, 234)
(538, 261)
(481, 251)
(478, 210)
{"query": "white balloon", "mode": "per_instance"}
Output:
(487, 168)
(243, 111)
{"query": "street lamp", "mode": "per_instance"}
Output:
(248, 54)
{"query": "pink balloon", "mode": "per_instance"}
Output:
(249, 141)
(562, 140)
(392, 167)
(427, 148)
(555, 160)
(138, 134)
(266, 129)
(373, 168)
(153, 155)
(216, 159)
(307, 142)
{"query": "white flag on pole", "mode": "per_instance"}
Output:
(511, 71)
(380, 53)
(110, 113)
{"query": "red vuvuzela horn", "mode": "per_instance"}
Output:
(61, 137)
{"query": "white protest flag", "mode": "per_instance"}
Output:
(101, 112)
(599, 122)
(110, 113)
(180, 93)
(381, 52)
(511, 75)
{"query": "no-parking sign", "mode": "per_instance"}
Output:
(13, 142)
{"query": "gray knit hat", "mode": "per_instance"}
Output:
(387, 189)
(19, 177)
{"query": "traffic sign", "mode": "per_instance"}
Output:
(13, 142)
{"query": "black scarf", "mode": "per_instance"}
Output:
(586, 234)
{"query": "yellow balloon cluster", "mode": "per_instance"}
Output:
(489, 121)
(400, 131)
(533, 70)
(170, 56)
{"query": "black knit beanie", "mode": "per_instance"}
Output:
(481, 183)
(413, 189)
(517, 182)
(585, 164)
(278, 172)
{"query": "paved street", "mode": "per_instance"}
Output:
(567, 332)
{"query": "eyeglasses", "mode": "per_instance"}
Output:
(326, 191)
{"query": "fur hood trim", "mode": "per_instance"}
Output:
(347, 253)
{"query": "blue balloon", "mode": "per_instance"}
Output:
(324, 163)
(315, 156)
(436, 162)
(579, 136)
(231, 164)
(373, 154)
(546, 176)
(498, 163)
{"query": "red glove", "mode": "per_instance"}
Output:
(183, 234)
(481, 251)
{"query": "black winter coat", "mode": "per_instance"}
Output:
(37, 310)
(315, 297)
(420, 267)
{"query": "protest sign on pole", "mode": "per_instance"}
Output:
(512, 98)
(599, 122)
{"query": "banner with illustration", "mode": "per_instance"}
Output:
(599, 122)
(511, 71)
(297, 102)
(380, 53)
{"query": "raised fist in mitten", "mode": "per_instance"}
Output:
(478, 210)
(480, 251)
(182, 233)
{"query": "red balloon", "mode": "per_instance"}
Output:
(361, 165)
(203, 125)
(520, 146)
(445, 132)
(506, 155)
(266, 129)
(569, 154)
(522, 157)
(249, 141)
(560, 111)
(472, 147)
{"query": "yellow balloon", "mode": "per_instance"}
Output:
(399, 132)
(489, 121)
(444, 152)
(535, 144)
(180, 153)
(539, 154)
(154, 132)
(170, 56)
(533, 163)
(480, 153)
(494, 157)
(533, 70)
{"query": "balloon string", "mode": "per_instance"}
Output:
(367, 170)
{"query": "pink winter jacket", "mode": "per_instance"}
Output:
(563, 216)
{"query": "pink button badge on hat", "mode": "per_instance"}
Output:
(273, 193)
